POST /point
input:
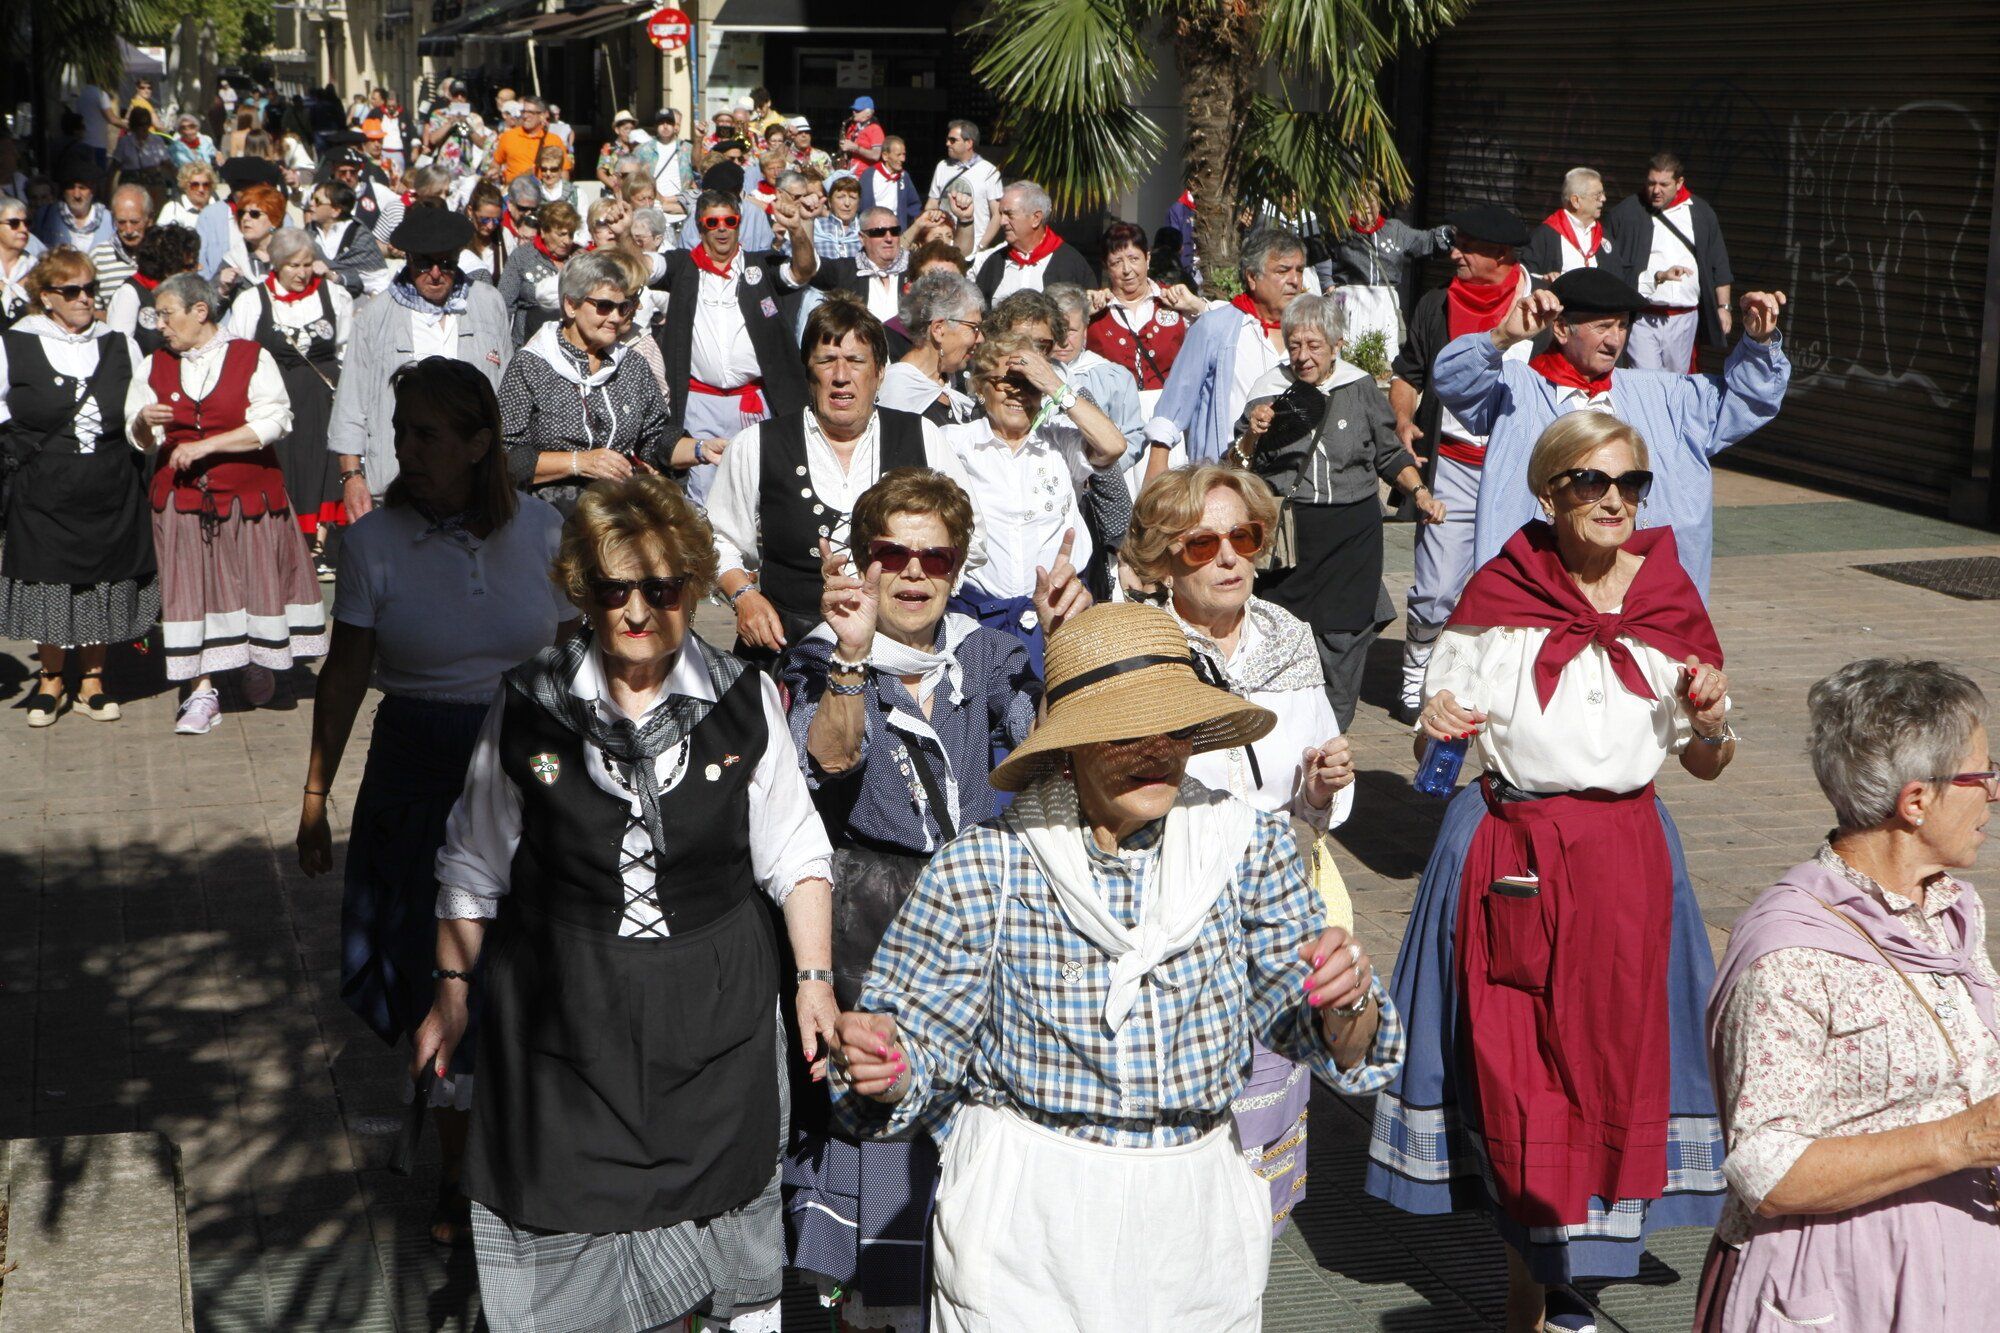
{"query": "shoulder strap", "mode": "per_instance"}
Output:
(1901, 975)
(1682, 236)
(947, 818)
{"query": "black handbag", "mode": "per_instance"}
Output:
(1281, 458)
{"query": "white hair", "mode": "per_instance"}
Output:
(286, 243)
(1576, 178)
(1328, 314)
(1032, 197)
(1877, 725)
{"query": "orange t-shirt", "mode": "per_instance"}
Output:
(515, 151)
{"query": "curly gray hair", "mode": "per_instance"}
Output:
(1881, 723)
(1263, 244)
(1328, 314)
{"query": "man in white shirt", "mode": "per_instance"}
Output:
(1573, 236)
(1035, 257)
(100, 117)
(963, 168)
(1669, 245)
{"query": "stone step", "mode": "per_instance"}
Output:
(97, 1234)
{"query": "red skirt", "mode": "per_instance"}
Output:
(1564, 998)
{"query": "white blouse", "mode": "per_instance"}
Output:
(270, 410)
(1595, 732)
(788, 843)
(1028, 498)
(290, 317)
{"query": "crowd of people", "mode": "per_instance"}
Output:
(1053, 582)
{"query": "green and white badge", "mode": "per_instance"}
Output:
(545, 767)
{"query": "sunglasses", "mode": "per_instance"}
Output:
(936, 561)
(69, 291)
(17, 223)
(612, 594)
(1202, 546)
(878, 232)
(606, 307)
(1989, 779)
(722, 222)
(251, 213)
(433, 263)
(1588, 484)
(1183, 734)
(201, 185)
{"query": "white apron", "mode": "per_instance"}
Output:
(1037, 1230)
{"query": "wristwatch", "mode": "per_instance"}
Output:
(350, 474)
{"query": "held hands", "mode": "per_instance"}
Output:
(1059, 594)
(1445, 719)
(1100, 297)
(1760, 314)
(819, 1025)
(1527, 319)
(867, 1051)
(1706, 689)
(849, 604)
(1182, 299)
(1326, 768)
(1339, 973)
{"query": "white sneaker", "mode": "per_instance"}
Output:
(199, 714)
(259, 685)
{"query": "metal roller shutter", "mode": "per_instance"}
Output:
(1848, 149)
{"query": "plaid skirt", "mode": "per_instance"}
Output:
(534, 1281)
(243, 591)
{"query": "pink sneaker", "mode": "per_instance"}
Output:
(259, 685)
(199, 714)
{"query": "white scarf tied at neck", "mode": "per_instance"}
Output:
(1205, 836)
(895, 658)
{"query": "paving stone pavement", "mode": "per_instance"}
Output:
(164, 965)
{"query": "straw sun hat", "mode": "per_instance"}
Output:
(1118, 672)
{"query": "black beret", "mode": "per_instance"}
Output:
(1489, 223)
(431, 231)
(238, 172)
(726, 176)
(345, 139)
(1592, 291)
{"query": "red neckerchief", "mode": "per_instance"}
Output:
(406, 196)
(1186, 200)
(767, 189)
(545, 251)
(1042, 251)
(1561, 221)
(885, 173)
(1368, 228)
(1678, 199)
(1478, 307)
(1556, 368)
(507, 223)
(1243, 302)
(280, 294)
(704, 261)
(1526, 587)
(148, 283)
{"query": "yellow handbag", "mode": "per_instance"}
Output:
(1324, 875)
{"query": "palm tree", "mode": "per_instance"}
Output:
(1280, 100)
(79, 35)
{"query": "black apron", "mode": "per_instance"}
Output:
(627, 1083)
(73, 518)
(308, 361)
(1336, 585)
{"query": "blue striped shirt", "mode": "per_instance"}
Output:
(997, 1000)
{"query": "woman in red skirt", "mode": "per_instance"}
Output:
(237, 588)
(1555, 968)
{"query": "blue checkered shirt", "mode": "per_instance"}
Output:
(999, 1001)
(834, 239)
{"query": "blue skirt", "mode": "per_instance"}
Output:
(1424, 1158)
(388, 919)
(858, 1212)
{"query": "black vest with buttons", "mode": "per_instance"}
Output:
(146, 330)
(792, 517)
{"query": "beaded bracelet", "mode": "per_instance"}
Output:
(450, 974)
(842, 664)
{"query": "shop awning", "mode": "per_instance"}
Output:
(478, 20)
(823, 16)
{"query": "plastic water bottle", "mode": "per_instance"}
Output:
(1438, 774)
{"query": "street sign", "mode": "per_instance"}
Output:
(668, 28)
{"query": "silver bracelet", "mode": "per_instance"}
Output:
(806, 974)
(1728, 735)
(842, 664)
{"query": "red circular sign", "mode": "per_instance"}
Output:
(668, 28)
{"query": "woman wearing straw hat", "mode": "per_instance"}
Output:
(1067, 1003)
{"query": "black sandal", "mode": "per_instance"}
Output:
(44, 708)
(451, 1219)
(100, 706)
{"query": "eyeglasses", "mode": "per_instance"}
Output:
(976, 325)
(1588, 484)
(201, 185)
(69, 291)
(721, 222)
(606, 307)
(1202, 546)
(1987, 778)
(878, 232)
(612, 594)
(936, 561)
(251, 213)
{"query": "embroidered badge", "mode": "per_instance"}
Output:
(753, 276)
(149, 318)
(545, 767)
(712, 772)
(729, 759)
(1166, 319)
(768, 306)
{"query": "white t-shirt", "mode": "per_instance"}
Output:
(449, 615)
(980, 177)
(92, 103)
(1669, 251)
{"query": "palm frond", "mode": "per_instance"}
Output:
(1331, 37)
(83, 34)
(1321, 159)
(1079, 57)
(1083, 162)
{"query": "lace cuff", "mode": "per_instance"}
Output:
(464, 905)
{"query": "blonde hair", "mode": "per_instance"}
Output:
(1172, 503)
(989, 360)
(601, 205)
(644, 514)
(1573, 437)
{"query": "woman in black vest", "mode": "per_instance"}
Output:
(164, 252)
(632, 795)
(76, 572)
(790, 482)
(302, 320)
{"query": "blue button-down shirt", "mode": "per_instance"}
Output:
(998, 1000)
